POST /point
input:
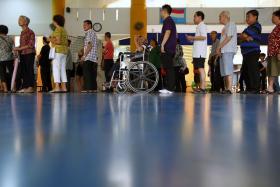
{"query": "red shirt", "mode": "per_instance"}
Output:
(274, 42)
(108, 51)
(27, 37)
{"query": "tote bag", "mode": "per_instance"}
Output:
(52, 53)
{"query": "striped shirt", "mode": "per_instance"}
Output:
(91, 38)
(254, 31)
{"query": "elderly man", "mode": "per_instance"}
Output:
(227, 49)
(27, 55)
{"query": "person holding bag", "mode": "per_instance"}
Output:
(60, 44)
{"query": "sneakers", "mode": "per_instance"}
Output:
(165, 91)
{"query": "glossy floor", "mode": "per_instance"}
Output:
(108, 140)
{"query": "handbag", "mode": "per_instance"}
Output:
(52, 53)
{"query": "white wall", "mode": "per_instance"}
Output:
(39, 11)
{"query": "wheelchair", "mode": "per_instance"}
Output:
(134, 74)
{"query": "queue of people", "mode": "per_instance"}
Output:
(166, 57)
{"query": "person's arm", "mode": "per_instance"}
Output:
(201, 37)
(222, 44)
(165, 39)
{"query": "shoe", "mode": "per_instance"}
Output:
(54, 91)
(200, 91)
(226, 92)
(165, 91)
(268, 92)
(21, 91)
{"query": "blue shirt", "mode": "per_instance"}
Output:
(170, 45)
(254, 31)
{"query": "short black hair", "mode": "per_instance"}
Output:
(168, 8)
(200, 14)
(4, 29)
(88, 22)
(254, 13)
(262, 55)
(215, 32)
(276, 13)
(108, 35)
(69, 41)
(153, 39)
(45, 39)
(59, 19)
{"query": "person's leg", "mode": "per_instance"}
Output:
(48, 78)
(183, 82)
(56, 73)
(245, 73)
(160, 81)
(28, 78)
(253, 73)
(271, 80)
(3, 76)
(94, 73)
(44, 78)
(87, 76)
(63, 72)
(68, 74)
(202, 78)
(177, 79)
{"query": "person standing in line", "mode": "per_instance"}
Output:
(154, 58)
(27, 56)
(214, 65)
(250, 49)
(108, 56)
(168, 47)
(6, 58)
(45, 66)
(273, 65)
(70, 70)
(227, 49)
(90, 58)
(199, 48)
(60, 43)
(180, 80)
(262, 69)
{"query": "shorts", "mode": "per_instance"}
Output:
(79, 71)
(273, 67)
(167, 60)
(226, 64)
(198, 63)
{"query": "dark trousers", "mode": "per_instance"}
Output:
(108, 65)
(180, 80)
(6, 72)
(263, 80)
(217, 82)
(167, 64)
(90, 75)
(160, 81)
(26, 70)
(250, 71)
(46, 78)
(241, 82)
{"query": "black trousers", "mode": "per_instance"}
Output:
(46, 78)
(217, 82)
(108, 65)
(90, 75)
(6, 72)
(263, 80)
(250, 72)
(167, 64)
(180, 80)
(26, 70)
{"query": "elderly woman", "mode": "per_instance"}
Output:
(27, 56)
(60, 43)
(6, 57)
(273, 66)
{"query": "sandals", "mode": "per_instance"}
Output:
(268, 92)
(200, 91)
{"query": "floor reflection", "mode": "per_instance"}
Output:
(139, 140)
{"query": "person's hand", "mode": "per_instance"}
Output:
(249, 38)
(83, 58)
(278, 57)
(218, 51)
(16, 49)
(162, 49)
(190, 38)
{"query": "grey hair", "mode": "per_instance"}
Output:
(26, 19)
(225, 13)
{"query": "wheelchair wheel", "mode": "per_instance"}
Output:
(121, 88)
(143, 77)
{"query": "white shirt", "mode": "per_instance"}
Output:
(229, 30)
(200, 46)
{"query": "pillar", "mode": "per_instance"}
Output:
(58, 7)
(138, 14)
